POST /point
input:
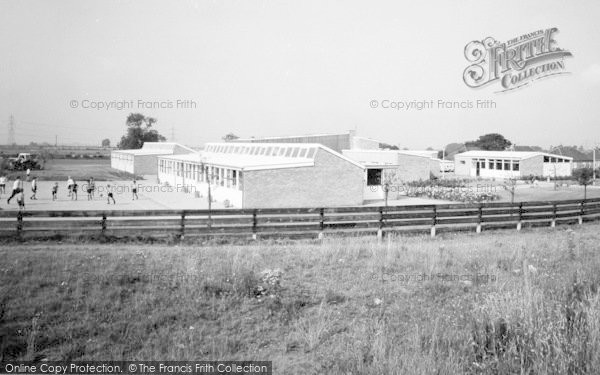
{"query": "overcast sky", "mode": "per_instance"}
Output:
(270, 68)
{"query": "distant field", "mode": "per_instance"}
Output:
(78, 169)
(494, 303)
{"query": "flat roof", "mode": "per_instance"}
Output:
(508, 154)
(155, 148)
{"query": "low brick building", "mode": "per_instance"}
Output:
(512, 164)
(267, 175)
(143, 161)
(393, 167)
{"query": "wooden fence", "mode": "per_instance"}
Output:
(299, 222)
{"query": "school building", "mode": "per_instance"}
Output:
(511, 164)
(143, 161)
(267, 175)
(336, 142)
(393, 167)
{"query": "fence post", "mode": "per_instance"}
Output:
(254, 235)
(182, 226)
(321, 222)
(103, 223)
(520, 215)
(553, 222)
(581, 212)
(380, 229)
(479, 218)
(434, 221)
(19, 222)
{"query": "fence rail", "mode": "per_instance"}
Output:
(300, 222)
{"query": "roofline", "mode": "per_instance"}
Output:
(530, 154)
(256, 140)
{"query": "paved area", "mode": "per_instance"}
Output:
(151, 196)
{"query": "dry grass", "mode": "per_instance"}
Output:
(346, 306)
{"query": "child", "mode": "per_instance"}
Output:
(134, 190)
(34, 188)
(92, 187)
(54, 191)
(89, 190)
(17, 188)
(21, 201)
(70, 185)
(74, 192)
(109, 195)
(2, 184)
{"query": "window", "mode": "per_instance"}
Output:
(269, 149)
(515, 166)
(302, 153)
(228, 177)
(463, 162)
(241, 180)
(234, 178)
(546, 159)
(482, 163)
(282, 151)
(499, 165)
(373, 177)
(295, 152)
(275, 151)
(288, 152)
(311, 153)
(491, 164)
(552, 160)
(507, 165)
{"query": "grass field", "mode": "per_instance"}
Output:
(501, 302)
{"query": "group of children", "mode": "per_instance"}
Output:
(72, 187)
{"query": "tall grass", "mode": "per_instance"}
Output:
(347, 305)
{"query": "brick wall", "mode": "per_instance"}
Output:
(532, 166)
(332, 181)
(413, 168)
(145, 164)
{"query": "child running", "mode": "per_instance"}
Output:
(17, 188)
(54, 191)
(21, 201)
(34, 188)
(74, 190)
(109, 195)
(134, 190)
(70, 183)
(3, 184)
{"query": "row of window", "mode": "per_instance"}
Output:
(552, 159)
(225, 177)
(283, 151)
(500, 165)
(121, 156)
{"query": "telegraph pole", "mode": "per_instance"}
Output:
(11, 130)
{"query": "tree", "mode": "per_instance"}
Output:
(139, 131)
(230, 137)
(106, 142)
(510, 185)
(386, 146)
(491, 142)
(584, 176)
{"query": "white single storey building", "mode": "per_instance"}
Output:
(512, 164)
(267, 175)
(143, 161)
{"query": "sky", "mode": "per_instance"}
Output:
(273, 68)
